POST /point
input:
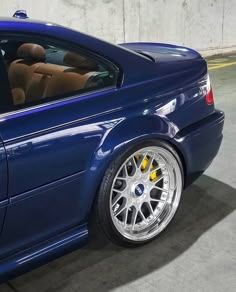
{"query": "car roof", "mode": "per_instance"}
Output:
(21, 20)
(134, 66)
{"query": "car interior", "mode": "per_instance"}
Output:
(36, 72)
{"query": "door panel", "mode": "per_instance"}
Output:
(50, 143)
(45, 172)
(40, 214)
(3, 185)
(44, 158)
(4, 100)
(3, 174)
(48, 151)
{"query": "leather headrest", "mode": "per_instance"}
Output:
(75, 60)
(31, 51)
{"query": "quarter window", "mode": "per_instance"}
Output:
(39, 73)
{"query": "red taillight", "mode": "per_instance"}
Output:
(210, 97)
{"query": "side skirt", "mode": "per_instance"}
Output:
(42, 253)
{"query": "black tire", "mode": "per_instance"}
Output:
(102, 204)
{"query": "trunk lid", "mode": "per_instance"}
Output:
(163, 52)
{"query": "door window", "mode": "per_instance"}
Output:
(40, 72)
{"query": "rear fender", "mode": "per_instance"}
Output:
(127, 133)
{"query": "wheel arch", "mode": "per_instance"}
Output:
(125, 135)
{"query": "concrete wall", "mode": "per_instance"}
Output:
(206, 25)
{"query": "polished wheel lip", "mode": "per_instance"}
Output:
(126, 208)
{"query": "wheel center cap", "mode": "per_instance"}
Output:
(139, 190)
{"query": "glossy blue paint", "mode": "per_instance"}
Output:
(50, 154)
(3, 185)
(164, 52)
(3, 175)
(20, 14)
(41, 213)
(55, 247)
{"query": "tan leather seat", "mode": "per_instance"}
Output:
(31, 79)
(25, 85)
(18, 75)
(79, 64)
(65, 82)
(62, 81)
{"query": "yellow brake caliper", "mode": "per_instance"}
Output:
(153, 175)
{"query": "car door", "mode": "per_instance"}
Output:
(3, 185)
(3, 161)
(48, 144)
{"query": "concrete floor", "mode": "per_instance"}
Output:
(196, 253)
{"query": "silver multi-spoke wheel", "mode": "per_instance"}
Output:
(145, 193)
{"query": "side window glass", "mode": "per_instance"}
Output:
(39, 73)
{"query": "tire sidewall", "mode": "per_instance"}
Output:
(103, 214)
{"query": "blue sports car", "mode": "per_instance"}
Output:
(92, 130)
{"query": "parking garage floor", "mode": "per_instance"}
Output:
(196, 253)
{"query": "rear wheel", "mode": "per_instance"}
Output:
(140, 193)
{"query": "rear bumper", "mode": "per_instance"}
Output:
(199, 144)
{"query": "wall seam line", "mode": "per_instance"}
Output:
(124, 32)
(222, 26)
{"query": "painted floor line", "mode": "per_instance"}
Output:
(218, 66)
(216, 61)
